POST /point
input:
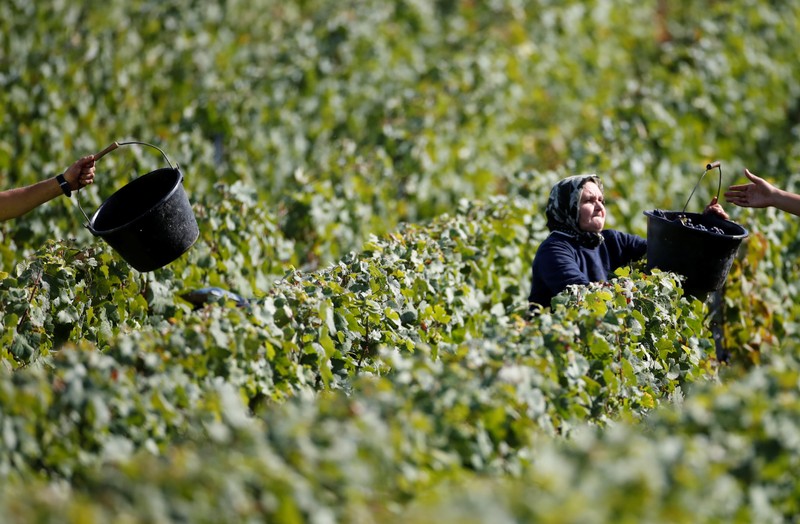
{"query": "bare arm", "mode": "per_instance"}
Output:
(16, 202)
(760, 193)
(789, 202)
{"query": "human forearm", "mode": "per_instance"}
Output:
(16, 202)
(787, 201)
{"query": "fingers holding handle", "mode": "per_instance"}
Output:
(87, 164)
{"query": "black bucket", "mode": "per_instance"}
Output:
(149, 221)
(700, 247)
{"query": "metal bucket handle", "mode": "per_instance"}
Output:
(709, 167)
(106, 151)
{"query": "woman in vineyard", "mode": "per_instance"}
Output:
(578, 249)
(760, 193)
(16, 202)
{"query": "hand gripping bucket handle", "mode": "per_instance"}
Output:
(106, 151)
(149, 221)
(709, 167)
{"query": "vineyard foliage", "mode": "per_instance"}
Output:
(370, 177)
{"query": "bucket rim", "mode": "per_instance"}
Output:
(170, 193)
(740, 236)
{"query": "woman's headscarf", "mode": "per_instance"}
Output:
(563, 209)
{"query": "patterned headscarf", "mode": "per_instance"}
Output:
(563, 209)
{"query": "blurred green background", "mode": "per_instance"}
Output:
(374, 174)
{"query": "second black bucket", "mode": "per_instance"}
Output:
(700, 247)
(149, 221)
(689, 244)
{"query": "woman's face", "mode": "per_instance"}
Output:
(591, 209)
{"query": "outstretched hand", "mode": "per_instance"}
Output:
(759, 193)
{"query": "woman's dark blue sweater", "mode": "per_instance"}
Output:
(561, 261)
